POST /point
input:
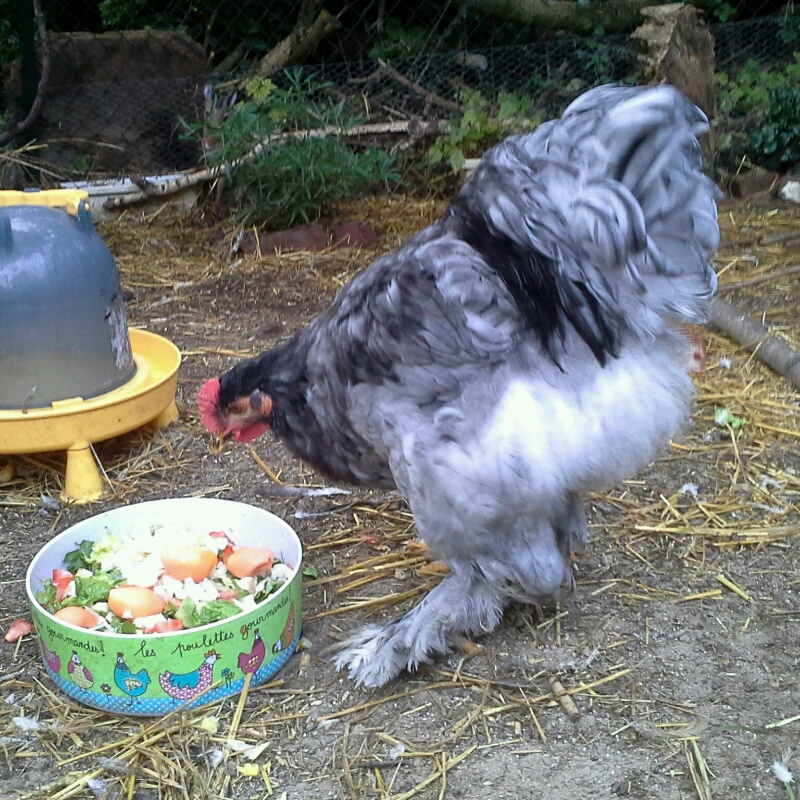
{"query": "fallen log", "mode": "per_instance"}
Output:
(414, 128)
(774, 352)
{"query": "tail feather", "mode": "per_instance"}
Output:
(612, 198)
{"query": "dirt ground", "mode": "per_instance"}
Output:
(680, 647)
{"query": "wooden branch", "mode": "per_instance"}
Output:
(779, 238)
(770, 276)
(299, 44)
(774, 352)
(412, 127)
(431, 97)
(44, 77)
(231, 60)
(207, 39)
(566, 702)
(308, 11)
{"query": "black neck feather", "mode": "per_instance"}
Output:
(544, 297)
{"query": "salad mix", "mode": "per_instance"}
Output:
(160, 580)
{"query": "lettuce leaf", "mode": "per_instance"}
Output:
(95, 589)
(192, 615)
(88, 590)
(80, 558)
(47, 596)
(106, 546)
(270, 587)
(122, 625)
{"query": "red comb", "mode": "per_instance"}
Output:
(208, 403)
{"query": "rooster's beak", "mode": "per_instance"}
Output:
(218, 445)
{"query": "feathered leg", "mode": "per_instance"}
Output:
(468, 602)
(573, 526)
(464, 603)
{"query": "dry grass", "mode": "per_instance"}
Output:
(744, 498)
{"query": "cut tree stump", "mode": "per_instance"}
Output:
(678, 48)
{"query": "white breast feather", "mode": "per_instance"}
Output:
(593, 436)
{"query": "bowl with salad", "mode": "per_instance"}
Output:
(166, 604)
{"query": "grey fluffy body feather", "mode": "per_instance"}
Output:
(426, 374)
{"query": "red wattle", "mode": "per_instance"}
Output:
(250, 432)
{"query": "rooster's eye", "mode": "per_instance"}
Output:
(240, 406)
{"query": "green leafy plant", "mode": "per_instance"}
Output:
(9, 37)
(596, 55)
(480, 126)
(398, 40)
(790, 29)
(128, 13)
(298, 171)
(748, 91)
(723, 10)
(776, 143)
(254, 27)
(768, 101)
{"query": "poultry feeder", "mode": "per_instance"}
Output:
(72, 372)
(153, 674)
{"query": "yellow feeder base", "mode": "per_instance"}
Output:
(75, 424)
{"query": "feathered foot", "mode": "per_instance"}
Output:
(573, 526)
(462, 604)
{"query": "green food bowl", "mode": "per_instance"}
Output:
(153, 674)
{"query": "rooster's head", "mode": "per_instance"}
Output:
(238, 417)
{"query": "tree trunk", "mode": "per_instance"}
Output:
(570, 15)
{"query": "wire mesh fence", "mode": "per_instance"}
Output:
(127, 81)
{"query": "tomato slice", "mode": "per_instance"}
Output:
(61, 580)
(17, 629)
(168, 626)
(223, 555)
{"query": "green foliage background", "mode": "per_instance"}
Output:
(295, 179)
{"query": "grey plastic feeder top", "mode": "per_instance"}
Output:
(63, 331)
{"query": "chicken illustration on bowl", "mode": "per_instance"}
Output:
(189, 685)
(132, 684)
(250, 662)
